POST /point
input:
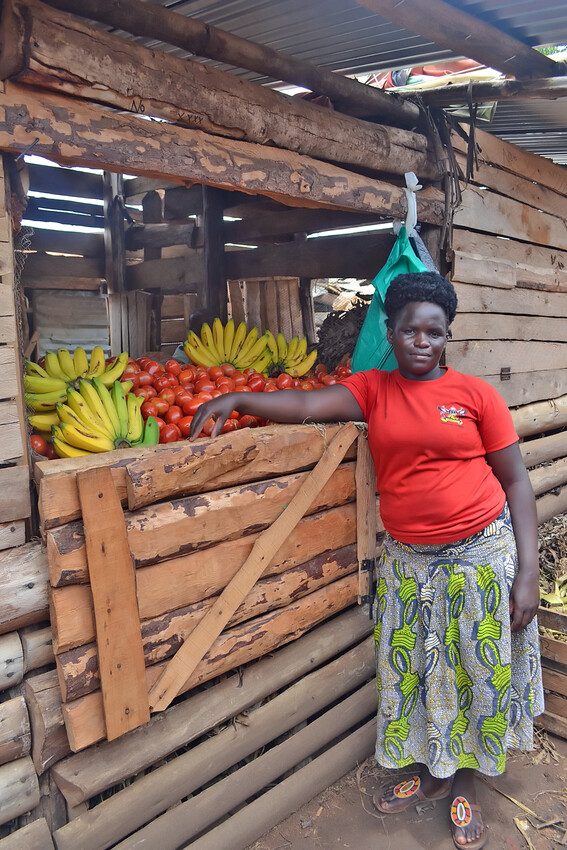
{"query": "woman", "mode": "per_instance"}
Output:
(458, 666)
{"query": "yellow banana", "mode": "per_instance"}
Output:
(92, 398)
(127, 386)
(113, 373)
(69, 417)
(135, 421)
(35, 369)
(97, 362)
(282, 347)
(218, 336)
(239, 337)
(108, 404)
(119, 401)
(208, 341)
(305, 365)
(247, 344)
(245, 360)
(42, 402)
(262, 363)
(52, 366)
(272, 345)
(43, 421)
(66, 363)
(291, 349)
(228, 338)
(83, 412)
(87, 442)
(300, 351)
(195, 351)
(37, 384)
(80, 362)
(63, 449)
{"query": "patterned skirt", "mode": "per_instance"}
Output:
(455, 688)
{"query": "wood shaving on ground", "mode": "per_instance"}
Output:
(544, 749)
(523, 826)
(552, 538)
(513, 800)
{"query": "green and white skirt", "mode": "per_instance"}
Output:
(455, 688)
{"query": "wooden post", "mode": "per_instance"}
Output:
(215, 295)
(114, 244)
(366, 521)
(152, 213)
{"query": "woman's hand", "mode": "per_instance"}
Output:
(219, 408)
(524, 599)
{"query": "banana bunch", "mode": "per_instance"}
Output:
(229, 344)
(96, 418)
(46, 387)
(290, 357)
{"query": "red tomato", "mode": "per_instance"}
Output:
(215, 393)
(173, 367)
(161, 383)
(296, 383)
(204, 396)
(223, 389)
(229, 425)
(144, 379)
(38, 444)
(204, 386)
(343, 372)
(306, 385)
(145, 392)
(215, 372)
(154, 368)
(131, 369)
(228, 369)
(50, 454)
(242, 389)
(150, 409)
(169, 395)
(284, 382)
(160, 404)
(248, 422)
(143, 362)
(160, 422)
(184, 425)
(191, 407)
(256, 383)
(186, 376)
(328, 380)
(208, 426)
(174, 414)
(225, 382)
(249, 371)
(170, 433)
(239, 379)
(270, 387)
(320, 369)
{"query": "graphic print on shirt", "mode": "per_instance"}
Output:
(451, 414)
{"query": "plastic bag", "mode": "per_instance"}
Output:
(372, 350)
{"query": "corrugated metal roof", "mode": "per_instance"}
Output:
(342, 36)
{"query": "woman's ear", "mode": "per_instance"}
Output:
(389, 334)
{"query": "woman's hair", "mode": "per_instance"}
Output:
(420, 286)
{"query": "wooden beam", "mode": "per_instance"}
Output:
(170, 274)
(65, 181)
(154, 236)
(102, 67)
(82, 244)
(551, 88)
(202, 39)
(69, 131)
(454, 28)
(331, 256)
(134, 186)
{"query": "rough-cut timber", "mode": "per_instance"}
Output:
(526, 387)
(550, 505)
(84, 718)
(543, 416)
(23, 587)
(113, 587)
(19, 788)
(11, 660)
(52, 50)
(49, 739)
(182, 581)
(35, 836)
(78, 668)
(544, 449)
(138, 803)
(205, 40)
(548, 477)
(37, 646)
(178, 527)
(15, 733)
(69, 130)
(85, 774)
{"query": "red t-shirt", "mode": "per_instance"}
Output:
(429, 440)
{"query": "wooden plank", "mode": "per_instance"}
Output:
(295, 308)
(554, 680)
(111, 573)
(486, 211)
(552, 619)
(49, 739)
(172, 307)
(19, 789)
(484, 299)
(12, 534)
(40, 265)
(493, 272)
(11, 661)
(281, 225)
(510, 157)
(86, 284)
(501, 326)
(479, 357)
(338, 256)
(140, 185)
(553, 649)
(15, 734)
(173, 330)
(236, 295)
(84, 718)
(533, 266)
(552, 723)
(366, 518)
(556, 704)
(171, 274)
(9, 373)
(15, 502)
(181, 581)
(52, 180)
(11, 446)
(527, 387)
(119, 142)
(253, 303)
(34, 836)
(284, 308)
(81, 244)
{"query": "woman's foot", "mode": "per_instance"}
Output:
(398, 796)
(466, 821)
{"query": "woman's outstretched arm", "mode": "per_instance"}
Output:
(332, 404)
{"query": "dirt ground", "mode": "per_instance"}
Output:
(343, 816)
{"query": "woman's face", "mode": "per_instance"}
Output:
(418, 338)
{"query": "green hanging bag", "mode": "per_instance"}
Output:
(372, 350)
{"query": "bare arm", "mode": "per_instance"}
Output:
(332, 404)
(508, 467)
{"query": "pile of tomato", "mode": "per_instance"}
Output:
(174, 391)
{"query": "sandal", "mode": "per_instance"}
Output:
(461, 815)
(410, 791)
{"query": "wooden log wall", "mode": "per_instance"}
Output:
(509, 265)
